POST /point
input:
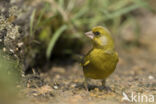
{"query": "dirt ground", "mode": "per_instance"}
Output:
(135, 73)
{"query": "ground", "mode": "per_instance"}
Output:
(64, 84)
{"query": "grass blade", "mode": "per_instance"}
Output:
(121, 11)
(32, 21)
(53, 40)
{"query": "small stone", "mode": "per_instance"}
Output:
(57, 76)
(73, 85)
(150, 77)
(11, 50)
(55, 87)
(4, 49)
(35, 94)
(17, 49)
(20, 44)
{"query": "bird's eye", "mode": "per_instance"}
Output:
(97, 33)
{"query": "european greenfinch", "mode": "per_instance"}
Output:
(100, 62)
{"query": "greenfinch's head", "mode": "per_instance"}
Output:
(100, 36)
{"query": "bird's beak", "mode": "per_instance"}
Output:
(90, 34)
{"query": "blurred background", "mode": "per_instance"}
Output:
(42, 43)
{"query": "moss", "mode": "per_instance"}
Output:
(9, 76)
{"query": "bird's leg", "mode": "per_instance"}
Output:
(104, 83)
(86, 83)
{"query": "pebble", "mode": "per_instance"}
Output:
(73, 85)
(150, 77)
(4, 49)
(55, 87)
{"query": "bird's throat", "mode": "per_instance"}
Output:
(104, 43)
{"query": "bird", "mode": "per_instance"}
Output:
(101, 61)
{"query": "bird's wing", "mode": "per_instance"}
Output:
(85, 61)
(110, 52)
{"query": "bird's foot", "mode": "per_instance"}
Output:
(106, 88)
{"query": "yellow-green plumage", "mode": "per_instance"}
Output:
(99, 64)
(102, 59)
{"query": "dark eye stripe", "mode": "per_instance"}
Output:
(97, 33)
